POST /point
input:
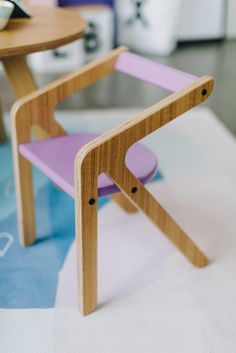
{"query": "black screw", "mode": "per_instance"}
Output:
(92, 201)
(134, 190)
(204, 92)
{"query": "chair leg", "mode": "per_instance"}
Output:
(158, 215)
(86, 251)
(25, 199)
(121, 200)
(177, 236)
(3, 135)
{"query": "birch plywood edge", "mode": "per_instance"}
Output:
(37, 107)
(104, 154)
(107, 154)
(157, 115)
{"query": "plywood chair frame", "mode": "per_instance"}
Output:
(105, 154)
(3, 134)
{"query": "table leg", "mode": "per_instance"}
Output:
(22, 83)
(3, 135)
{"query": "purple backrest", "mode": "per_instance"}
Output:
(84, 2)
(152, 72)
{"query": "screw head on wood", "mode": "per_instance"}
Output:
(134, 190)
(92, 201)
(204, 92)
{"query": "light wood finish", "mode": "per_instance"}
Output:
(121, 200)
(19, 75)
(87, 8)
(37, 110)
(104, 154)
(86, 240)
(22, 83)
(48, 28)
(107, 154)
(38, 107)
(3, 135)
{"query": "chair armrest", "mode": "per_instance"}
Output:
(108, 151)
(37, 108)
(107, 154)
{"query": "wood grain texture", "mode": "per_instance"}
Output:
(19, 75)
(36, 110)
(124, 203)
(107, 154)
(47, 29)
(86, 239)
(50, 27)
(22, 82)
(104, 154)
(3, 135)
(87, 8)
(38, 107)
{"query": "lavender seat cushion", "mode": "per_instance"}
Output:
(55, 158)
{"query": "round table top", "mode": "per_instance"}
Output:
(50, 27)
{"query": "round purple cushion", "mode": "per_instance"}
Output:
(55, 158)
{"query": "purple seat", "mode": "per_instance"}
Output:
(55, 158)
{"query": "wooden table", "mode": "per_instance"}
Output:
(49, 28)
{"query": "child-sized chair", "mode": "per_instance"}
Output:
(76, 163)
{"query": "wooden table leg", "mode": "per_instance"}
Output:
(22, 83)
(3, 135)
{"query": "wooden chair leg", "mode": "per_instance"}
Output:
(3, 135)
(177, 236)
(121, 200)
(158, 215)
(25, 199)
(86, 249)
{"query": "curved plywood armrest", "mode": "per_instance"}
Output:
(153, 118)
(37, 108)
(107, 154)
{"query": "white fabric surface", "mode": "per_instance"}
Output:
(151, 299)
(26, 331)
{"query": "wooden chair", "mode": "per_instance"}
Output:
(77, 162)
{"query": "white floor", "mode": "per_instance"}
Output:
(151, 299)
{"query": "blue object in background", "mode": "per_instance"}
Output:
(28, 276)
(84, 2)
